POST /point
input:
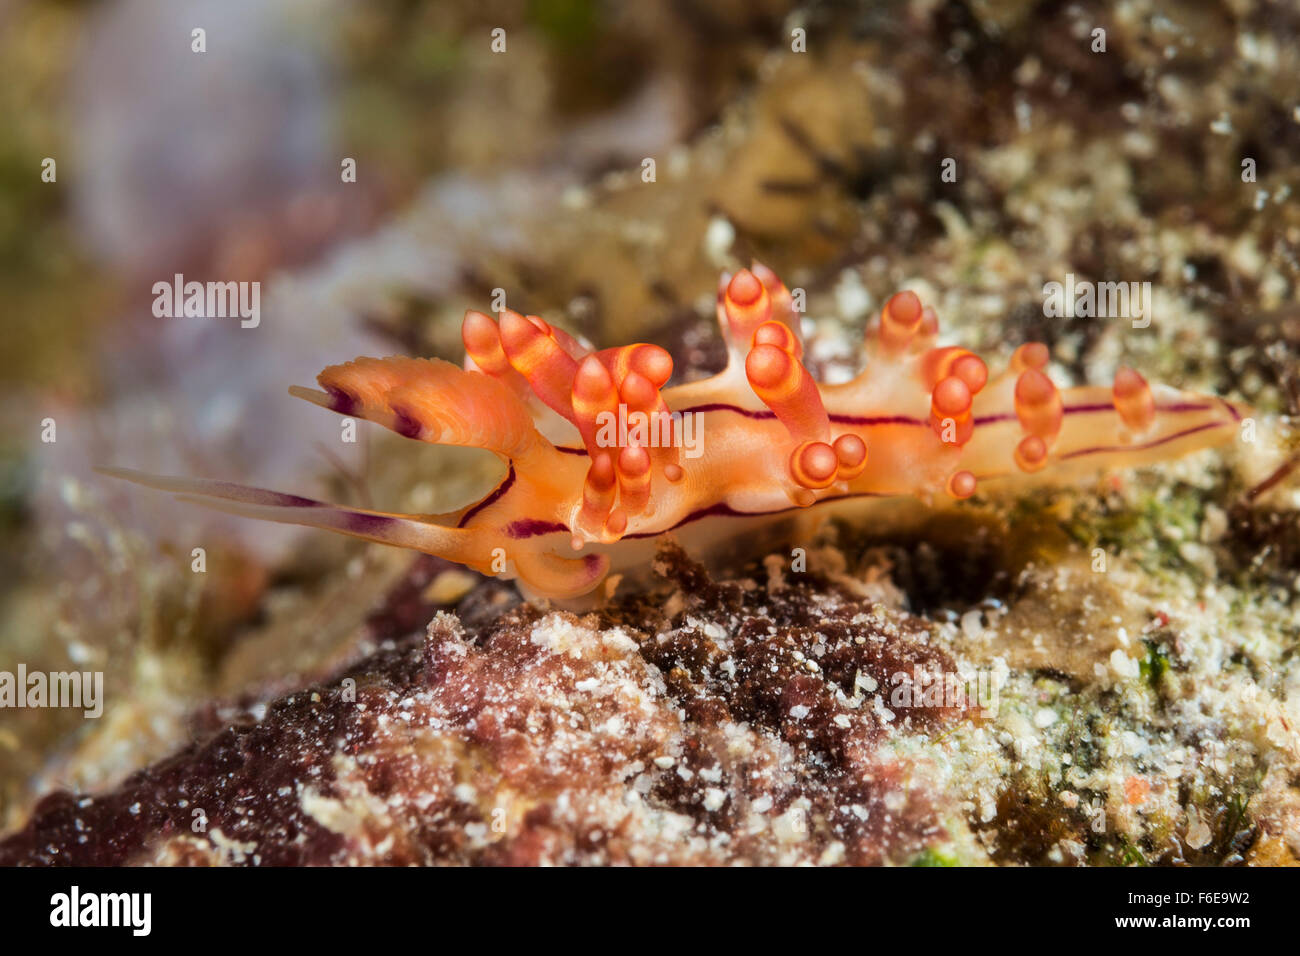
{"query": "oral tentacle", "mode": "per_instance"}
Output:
(431, 534)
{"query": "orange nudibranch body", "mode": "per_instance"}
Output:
(602, 454)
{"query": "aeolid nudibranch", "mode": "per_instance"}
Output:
(601, 457)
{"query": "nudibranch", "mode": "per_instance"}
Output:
(601, 455)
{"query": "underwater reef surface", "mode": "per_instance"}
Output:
(739, 731)
(1147, 712)
(780, 719)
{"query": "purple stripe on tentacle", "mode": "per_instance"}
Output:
(259, 496)
(501, 489)
(341, 401)
(368, 524)
(405, 423)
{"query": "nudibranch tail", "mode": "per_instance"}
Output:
(602, 455)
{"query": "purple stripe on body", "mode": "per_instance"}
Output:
(722, 509)
(532, 527)
(1236, 415)
(870, 420)
(1093, 408)
(767, 415)
(529, 527)
(1103, 449)
(501, 489)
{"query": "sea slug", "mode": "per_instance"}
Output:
(602, 457)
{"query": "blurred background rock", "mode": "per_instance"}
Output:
(522, 171)
(225, 166)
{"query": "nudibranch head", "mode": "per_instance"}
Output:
(602, 456)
